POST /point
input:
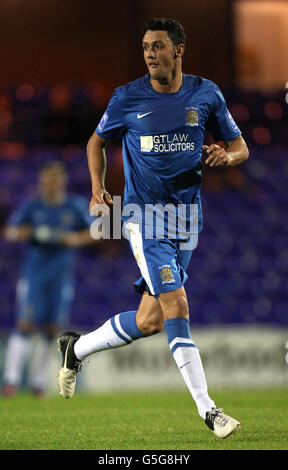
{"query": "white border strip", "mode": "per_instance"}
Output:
(137, 246)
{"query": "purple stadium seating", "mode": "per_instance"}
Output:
(237, 274)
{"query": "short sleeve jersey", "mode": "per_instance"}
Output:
(51, 258)
(162, 136)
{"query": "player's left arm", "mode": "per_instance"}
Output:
(234, 152)
(76, 239)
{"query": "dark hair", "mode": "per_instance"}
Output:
(174, 29)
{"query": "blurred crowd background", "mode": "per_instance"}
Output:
(60, 62)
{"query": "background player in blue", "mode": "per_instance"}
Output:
(161, 118)
(52, 224)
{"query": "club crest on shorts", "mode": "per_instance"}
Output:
(166, 274)
(191, 116)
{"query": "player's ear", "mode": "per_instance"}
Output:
(179, 50)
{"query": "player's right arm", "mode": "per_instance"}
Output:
(20, 233)
(96, 155)
(111, 126)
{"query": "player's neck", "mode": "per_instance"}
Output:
(169, 85)
(53, 199)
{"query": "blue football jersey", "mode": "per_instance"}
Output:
(45, 256)
(162, 137)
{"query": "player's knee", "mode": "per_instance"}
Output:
(26, 327)
(150, 326)
(174, 305)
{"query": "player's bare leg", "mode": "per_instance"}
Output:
(175, 310)
(149, 315)
(116, 332)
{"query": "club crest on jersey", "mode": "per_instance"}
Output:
(191, 116)
(166, 274)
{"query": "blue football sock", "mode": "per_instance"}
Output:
(127, 321)
(178, 333)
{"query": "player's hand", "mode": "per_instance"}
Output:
(217, 156)
(21, 233)
(99, 203)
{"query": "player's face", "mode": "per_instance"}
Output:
(160, 55)
(52, 181)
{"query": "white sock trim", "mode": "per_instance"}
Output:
(181, 340)
(119, 327)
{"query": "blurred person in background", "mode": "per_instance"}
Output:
(162, 118)
(52, 224)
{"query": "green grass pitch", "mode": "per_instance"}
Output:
(141, 421)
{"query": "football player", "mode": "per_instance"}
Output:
(52, 224)
(162, 118)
